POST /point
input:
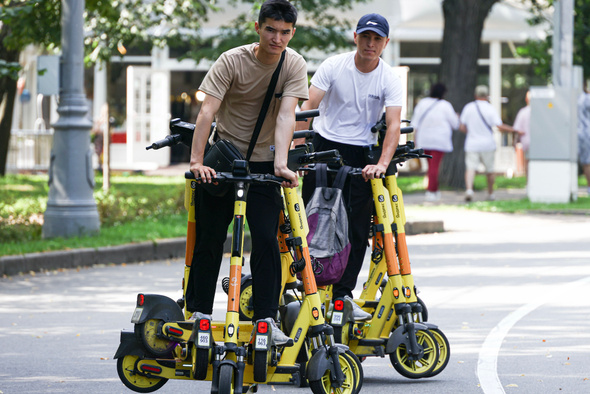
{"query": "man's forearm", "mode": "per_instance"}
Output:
(390, 143)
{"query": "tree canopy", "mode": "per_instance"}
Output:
(113, 26)
(319, 26)
(540, 51)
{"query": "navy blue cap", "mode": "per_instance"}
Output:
(373, 22)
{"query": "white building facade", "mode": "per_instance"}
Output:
(146, 90)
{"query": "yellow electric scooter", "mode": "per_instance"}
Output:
(164, 345)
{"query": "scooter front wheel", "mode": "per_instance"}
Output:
(419, 366)
(226, 379)
(444, 350)
(147, 332)
(130, 378)
(351, 384)
(358, 370)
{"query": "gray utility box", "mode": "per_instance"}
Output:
(554, 124)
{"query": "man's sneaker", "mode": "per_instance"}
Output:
(357, 313)
(430, 196)
(469, 195)
(278, 337)
(198, 316)
(491, 197)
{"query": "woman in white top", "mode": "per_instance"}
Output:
(434, 121)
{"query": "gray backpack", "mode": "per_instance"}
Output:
(328, 226)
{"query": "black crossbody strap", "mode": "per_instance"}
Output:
(265, 105)
(425, 113)
(482, 118)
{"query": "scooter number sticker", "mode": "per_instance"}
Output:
(203, 339)
(136, 315)
(261, 342)
(336, 318)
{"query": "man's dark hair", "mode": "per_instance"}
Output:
(280, 10)
(438, 90)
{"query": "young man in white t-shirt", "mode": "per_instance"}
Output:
(477, 120)
(351, 90)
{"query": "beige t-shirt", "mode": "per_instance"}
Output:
(240, 81)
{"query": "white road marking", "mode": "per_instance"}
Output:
(487, 364)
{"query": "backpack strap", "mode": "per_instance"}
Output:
(341, 177)
(321, 175)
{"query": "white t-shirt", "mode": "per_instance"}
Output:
(480, 137)
(434, 121)
(354, 100)
(523, 123)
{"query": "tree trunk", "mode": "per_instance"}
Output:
(464, 21)
(7, 95)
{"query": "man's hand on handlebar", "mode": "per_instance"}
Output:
(373, 171)
(286, 173)
(206, 174)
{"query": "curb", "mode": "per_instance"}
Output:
(133, 253)
(424, 227)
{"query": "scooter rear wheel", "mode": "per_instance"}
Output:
(351, 379)
(147, 333)
(260, 366)
(444, 350)
(201, 363)
(419, 366)
(246, 309)
(138, 383)
(226, 379)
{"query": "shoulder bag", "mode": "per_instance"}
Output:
(221, 155)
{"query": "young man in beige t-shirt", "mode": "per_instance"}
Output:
(235, 88)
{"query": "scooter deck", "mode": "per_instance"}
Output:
(217, 330)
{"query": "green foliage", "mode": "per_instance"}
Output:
(31, 22)
(22, 202)
(580, 206)
(540, 51)
(136, 199)
(319, 25)
(110, 26)
(501, 182)
(9, 69)
(144, 208)
(149, 229)
(113, 26)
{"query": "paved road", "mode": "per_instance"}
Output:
(511, 292)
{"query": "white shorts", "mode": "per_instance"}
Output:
(472, 160)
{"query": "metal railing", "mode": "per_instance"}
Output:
(29, 150)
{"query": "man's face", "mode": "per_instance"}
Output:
(369, 45)
(274, 35)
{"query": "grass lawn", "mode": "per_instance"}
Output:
(141, 208)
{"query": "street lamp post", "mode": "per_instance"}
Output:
(71, 208)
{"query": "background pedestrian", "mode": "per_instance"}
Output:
(434, 120)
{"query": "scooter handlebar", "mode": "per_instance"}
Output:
(169, 140)
(250, 178)
(304, 115)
